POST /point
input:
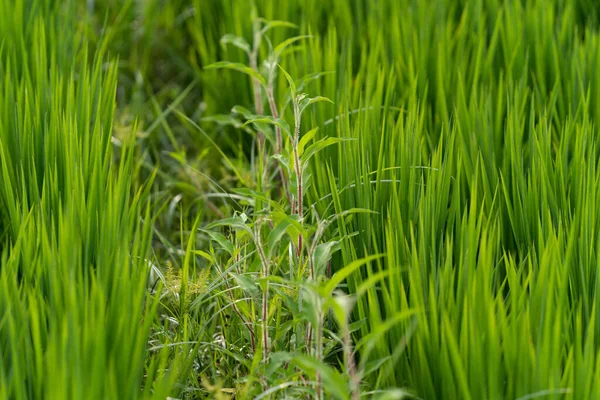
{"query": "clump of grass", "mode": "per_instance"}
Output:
(75, 237)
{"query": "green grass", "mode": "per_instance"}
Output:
(75, 238)
(443, 240)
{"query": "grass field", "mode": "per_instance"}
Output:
(340, 199)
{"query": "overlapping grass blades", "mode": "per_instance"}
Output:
(75, 316)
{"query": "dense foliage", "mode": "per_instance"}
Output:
(299, 198)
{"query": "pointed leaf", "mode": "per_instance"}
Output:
(341, 304)
(275, 236)
(290, 80)
(283, 45)
(222, 240)
(277, 359)
(267, 119)
(305, 139)
(333, 381)
(243, 111)
(252, 196)
(345, 272)
(322, 254)
(238, 67)
(223, 119)
(258, 126)
(276, 24)
(233, 222)
(237, 41)
(310, 309)
(247, 284)
(393, 394)
(283, 161)
(312, 100)
(320, 145)
(306, 79)
(204, 255)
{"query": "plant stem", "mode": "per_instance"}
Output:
(350, 364)
(319, 350)
(311, 263)
(298, 170)
(274, 113)
(309, 338)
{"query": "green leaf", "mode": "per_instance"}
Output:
(320, 145)
(275, 236)
(247, 284)
(262, 127)
(322, 255)
(276, 24)
(243, 111)
(334, 382)
(305, 139)
(180, 157)
(222, 240)
(301, 83)
(345, 272)
(341, 305)
(254, 195)
(233, 222)
(284, 161)
(277, 359)
(306, 79)
(312, 100)
(289, 79)
(376, 333)
(283, 45)
(223, 119)
(238, 67)
(310, 304)
(259, 126)
(393, 394)
(267, 119)
(237, 41)
(205, 255)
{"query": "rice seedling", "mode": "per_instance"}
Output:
(76, 317)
